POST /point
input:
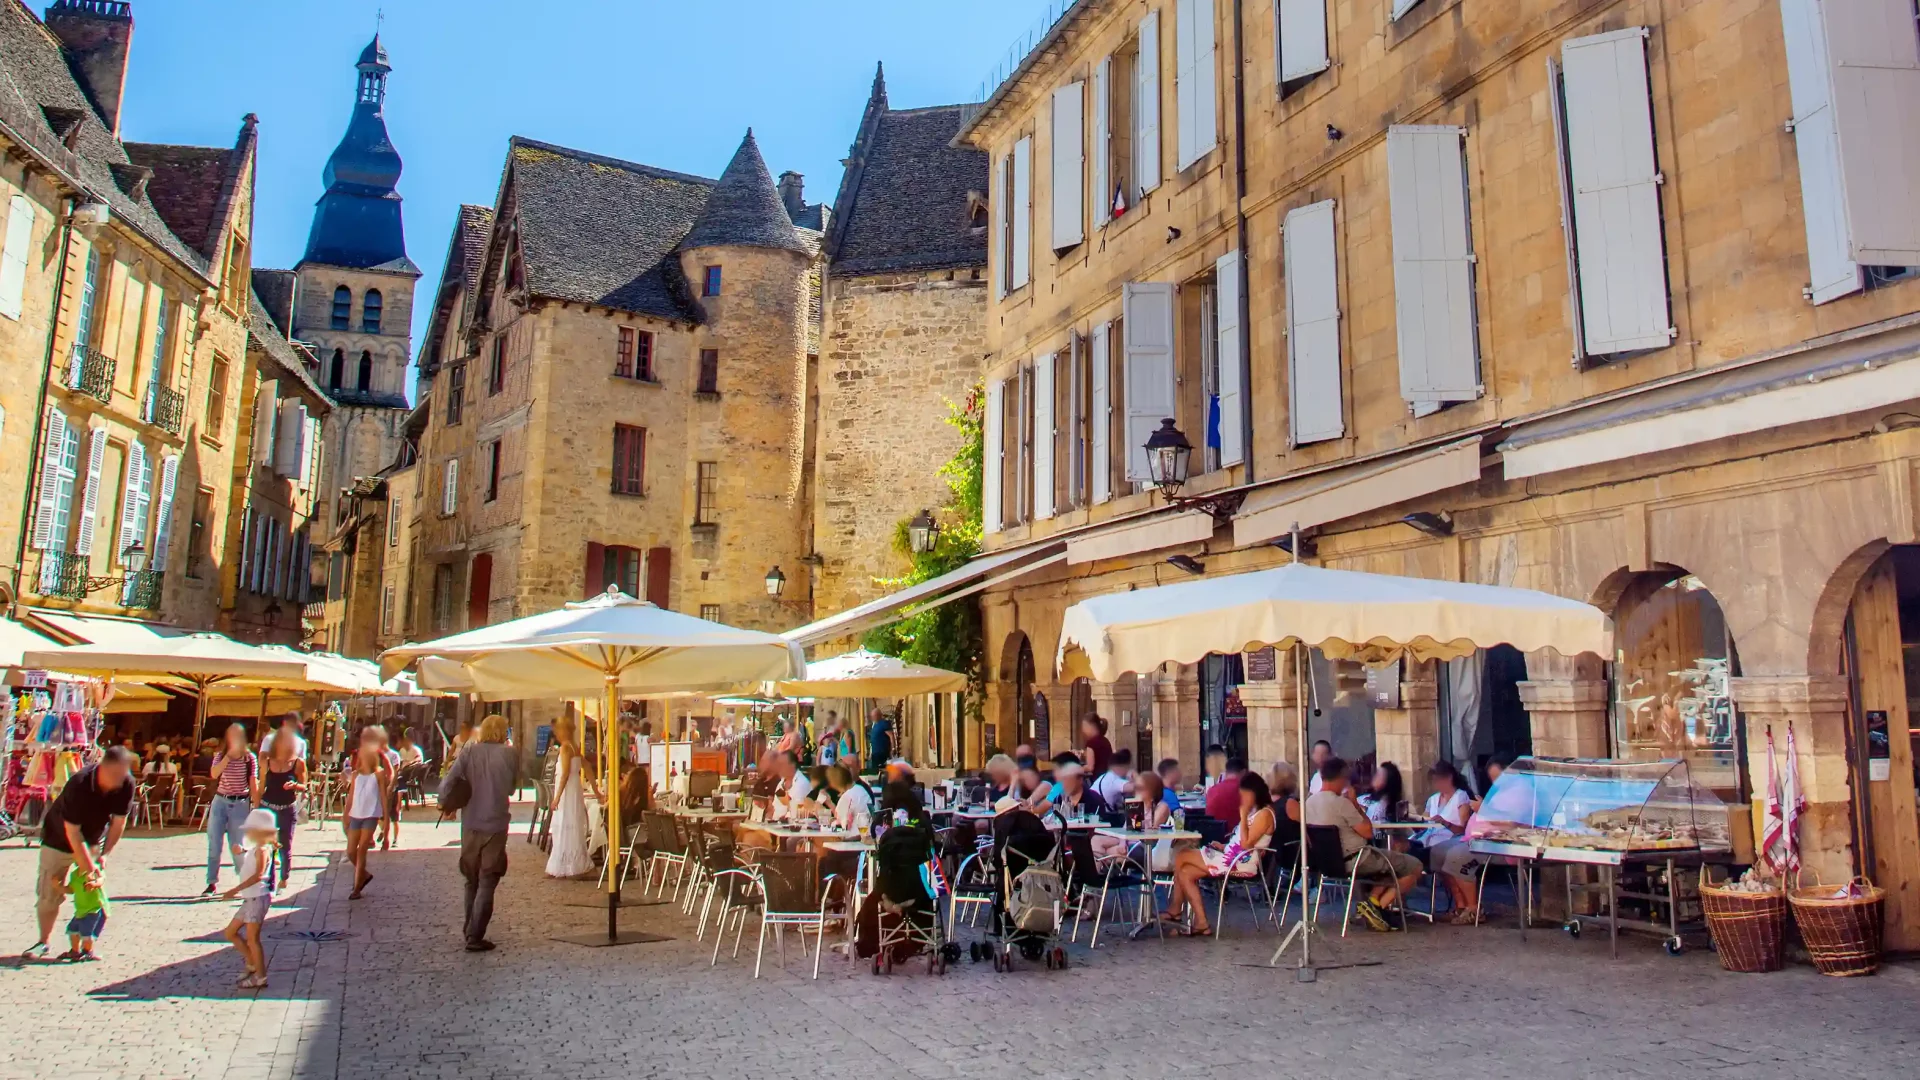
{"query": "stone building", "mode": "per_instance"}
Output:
(124, 300)
(905, 331)
(1544, 294)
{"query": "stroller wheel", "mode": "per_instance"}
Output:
(1058, 960)
(1049, 961)
(876, 964)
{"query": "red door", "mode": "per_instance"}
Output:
(479, 590)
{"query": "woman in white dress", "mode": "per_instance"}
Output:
(570, 830)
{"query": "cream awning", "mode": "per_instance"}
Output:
(1134, 537)
(1346, 614)
(1343, 493)
(931, 593)
(869, 674)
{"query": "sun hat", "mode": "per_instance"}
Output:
(261, 820)
(1006, 803)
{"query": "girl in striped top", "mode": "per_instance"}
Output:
(236, 776)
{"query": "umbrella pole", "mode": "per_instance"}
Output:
(611, 733)
(260, 722)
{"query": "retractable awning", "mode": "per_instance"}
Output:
(1343, 493)
(977, 574)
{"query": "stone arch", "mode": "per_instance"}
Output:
(1830, 610)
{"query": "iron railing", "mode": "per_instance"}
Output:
(142, 589)
(63, 574)
(90, 371)
(166, 408)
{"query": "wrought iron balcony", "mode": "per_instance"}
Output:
(142, 589)
(63, 574)
(90, 371)
(166, 408)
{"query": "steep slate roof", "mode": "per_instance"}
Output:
(186, 187)
(602, 231)
(33, 77)
(466, 255)
(745, 209)
(274, 290)
(903, 199)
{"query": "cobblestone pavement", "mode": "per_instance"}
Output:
(395, 996)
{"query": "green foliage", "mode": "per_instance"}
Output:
(947, 636)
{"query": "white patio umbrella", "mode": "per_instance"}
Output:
(607, 645)
(863, 674)
(1373, 618)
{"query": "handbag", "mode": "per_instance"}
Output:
(455, 797)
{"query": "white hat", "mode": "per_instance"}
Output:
(163, 748)
(261, 820)
(1006, 803)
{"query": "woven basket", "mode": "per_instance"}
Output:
(1749, 929)
(1842, 934)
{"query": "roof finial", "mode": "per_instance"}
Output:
(879, 94)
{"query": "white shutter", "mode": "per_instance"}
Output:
(1315, 405)
(1146, 107)
(1873, 54)
(265, 417)
(450, 492)
(13, 259)
(289, 426)
(1043, 436)
(1001, 198)
(993, 436)
(1147, 325)
(1100, 420)
(1302, 46)
(169, 477)
(47, 504)
(1193, 79)
(134, 493)
(1432, 264)
(276, 556)
(1076, 418)
(1102, 186)
(1069, 165)
(1022, 212)
(1817, 145)
(1232, 359)
(310, 465)
(1401, 7)
(1618, 243)
(246, 546)
(302, 428)
(90, 501)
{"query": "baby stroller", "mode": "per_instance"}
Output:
(900, 917)
(1031, 895)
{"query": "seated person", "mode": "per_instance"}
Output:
(900, 805)
(1169, 772)
(1001, 774)
(1382, 799)
(1334, 805)
(1213, 766)
(1284, 784)
(791, 789)
(160, 764)
(1447, 852)
(1030, 788)
(1114, 785)
(1070, 795)
(1223, 789)
(852, 802)
(1154, 814)
(1239, 855)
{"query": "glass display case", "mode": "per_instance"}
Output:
(1575, 810)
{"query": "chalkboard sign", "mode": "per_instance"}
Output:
(1262, 666)
(542, 738)
(1383, 686)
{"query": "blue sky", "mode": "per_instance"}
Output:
(672, 84)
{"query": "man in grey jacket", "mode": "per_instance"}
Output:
(490, 767)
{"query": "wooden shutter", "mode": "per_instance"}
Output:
(479, 589)
(1302, 32)
(265, 420)
(289, 426)
(659, 576)
(163, 528)
(596, 569)
(1147, 325)
(1102, 187)
(1100, 413)
(1022, 213)
(450, 492)
(48, 502)
(994, 458)
(14, 257)
(1316, 408)
(1002, 198)
(1043, 432)
(1816, 141)
(1193, 79)
(1232, 358)
(1401, 7)
(1146, 107)
(1618, 242)
(1873, 56)
(1432, 264)
(90, 501)
(1069, 145)
(1076, 428)
(310, 459)
(136, 491)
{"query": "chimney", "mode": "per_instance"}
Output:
(97, 35)
(792, 185)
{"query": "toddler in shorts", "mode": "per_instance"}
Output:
(262, 831)
(89, 914)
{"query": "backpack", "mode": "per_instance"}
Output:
(1037, 895)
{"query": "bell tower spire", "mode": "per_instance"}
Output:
(357, 221)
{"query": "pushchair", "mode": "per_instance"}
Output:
(1031, 896)
(900, 916)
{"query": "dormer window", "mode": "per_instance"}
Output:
(976, 210)
(370, 312)
(342, 310)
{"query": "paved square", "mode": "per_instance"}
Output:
(392, 995)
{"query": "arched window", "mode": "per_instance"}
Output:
(365, 381)
(338, 371)
(342, 307)
(370, 312)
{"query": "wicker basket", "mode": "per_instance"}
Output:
(1842, 934)
(1749, 928)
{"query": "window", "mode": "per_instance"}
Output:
(1432, 266)
(18, 252)
(342, 309)
(337, 370)
(370, 312)
(709, 372)
(1113, 135)
(1100, 413)
(236, 288)
(1197, 129)
(386, 610)
(450, 488)
(217, 396)
(493, 470)
(629, 460)
(1401, 7)
(619, 566)
(710, 282)
(706, 493)
(456, 392)
(1069, 165)
(1300, 41)
(442, 597)
(83, 318)
(364, 379)
(393, 521)
(1014, 236)
(160, 328)
(710, 612)
(199, 531)
(993, 439)
(497, 369)
(59, 469)
(336, 576)
(633, 355)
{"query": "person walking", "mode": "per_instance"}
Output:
(879, 739)
(570, 828)
(236, 791)
(366, 802)
(81, 828)
(283, 779)
(256, 897)
(488, 769)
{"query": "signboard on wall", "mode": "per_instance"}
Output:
(1262, 665)
(1383, 686)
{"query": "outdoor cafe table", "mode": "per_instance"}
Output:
(1134, 838)
(788, 832)
(862, 848)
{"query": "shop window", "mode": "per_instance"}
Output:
(1673, 664)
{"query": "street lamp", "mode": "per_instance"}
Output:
(776, 583)
(1168, 454)
(922, 533)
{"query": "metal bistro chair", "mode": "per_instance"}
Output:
(740, 894)
(1124, 873)
(717, 856)
(1248, 873)
(974, 886)
(793, 894)
(630, 843)
(1327, 864)
(540, 825)
(669, 859)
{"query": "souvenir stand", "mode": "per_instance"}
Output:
(52, 724)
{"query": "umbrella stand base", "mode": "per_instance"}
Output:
(624, 904)
(624, 937)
